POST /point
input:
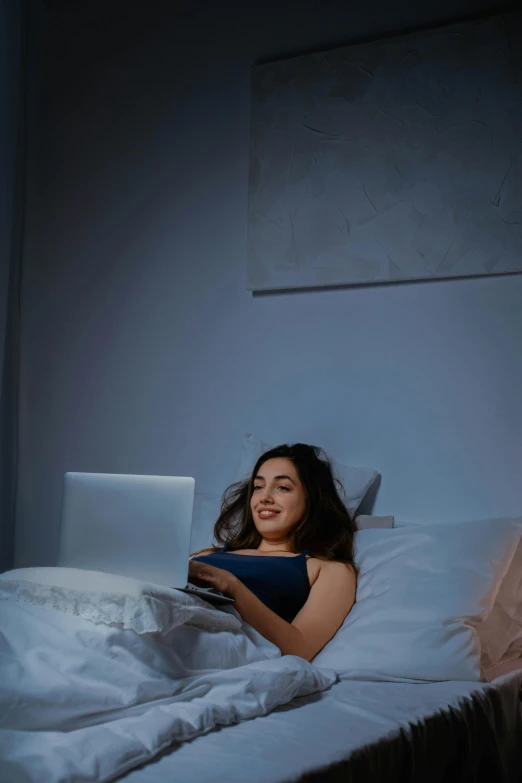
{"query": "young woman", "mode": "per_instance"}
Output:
(288, 552)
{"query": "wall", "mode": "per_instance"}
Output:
(10, 41)
(12, 149)
(142, 349)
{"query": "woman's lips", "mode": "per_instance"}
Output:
(266, 514)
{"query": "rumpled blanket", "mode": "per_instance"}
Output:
(83, 701)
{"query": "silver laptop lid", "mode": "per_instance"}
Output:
(137, 526)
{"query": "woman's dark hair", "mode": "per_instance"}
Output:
(326, 529)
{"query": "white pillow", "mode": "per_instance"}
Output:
(402, 523)
(421, 592)
(501, 632)
(356, 481)
(112, 600)
(367, 521)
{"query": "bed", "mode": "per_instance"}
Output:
(365, 731)
(105, 678)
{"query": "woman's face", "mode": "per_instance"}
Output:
(278, 501)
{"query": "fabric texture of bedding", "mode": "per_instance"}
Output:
(86, 702)
(116, 601)
(501, 632)
(101, 673)
(368, 521)
(421, 594)
(369, 732)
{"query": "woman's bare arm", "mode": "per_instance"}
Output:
(330, 600)
(329, 603)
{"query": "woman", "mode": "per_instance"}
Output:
(288, 554)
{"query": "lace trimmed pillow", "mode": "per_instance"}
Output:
(114, 600)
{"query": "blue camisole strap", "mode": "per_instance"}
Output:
(281, 583)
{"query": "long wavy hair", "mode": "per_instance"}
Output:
(326, 529)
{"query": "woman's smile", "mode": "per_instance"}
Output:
(277, 496)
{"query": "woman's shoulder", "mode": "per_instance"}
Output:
(331, 565)
(203, 552)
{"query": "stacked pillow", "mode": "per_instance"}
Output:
(423, 593)
(367, 521)
(500, 634)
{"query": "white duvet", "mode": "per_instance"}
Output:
(82, 702)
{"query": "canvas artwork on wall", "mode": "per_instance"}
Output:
(394, 160)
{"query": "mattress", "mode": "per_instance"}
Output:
(364, 731)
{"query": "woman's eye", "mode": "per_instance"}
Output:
(283, 487)
(258, 487)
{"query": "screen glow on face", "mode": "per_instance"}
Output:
(278, 498)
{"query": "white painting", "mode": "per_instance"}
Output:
(395, 160)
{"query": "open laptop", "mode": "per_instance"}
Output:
(136, 526)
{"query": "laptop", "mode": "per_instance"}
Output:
(136, 526)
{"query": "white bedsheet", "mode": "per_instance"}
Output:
(86, 702)
(363, 731)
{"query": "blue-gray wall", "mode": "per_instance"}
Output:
(10, 93)
(12, 156)
(142, 349)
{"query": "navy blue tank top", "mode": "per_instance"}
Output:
(281, 583)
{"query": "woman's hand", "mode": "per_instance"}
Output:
(203, 575)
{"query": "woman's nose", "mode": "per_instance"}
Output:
(265, 495)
